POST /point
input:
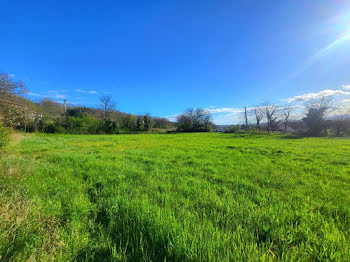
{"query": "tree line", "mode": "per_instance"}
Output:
(49, 116)
(312, 119)
(52, 117)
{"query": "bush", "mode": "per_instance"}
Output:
(51, 128)
(233, 129)
(4, 135)
(83, 125)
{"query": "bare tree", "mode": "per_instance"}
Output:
(271, 116)
(246, 118)
(8, 86)
(161, 122)
(259, 115)
(286, 112)
(201, 119)
(12, 112)
(51, 107)
(107, 107)
(341, 122)
(194, 120)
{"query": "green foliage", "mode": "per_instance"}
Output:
(78, 112)
(139, 123)
(82, 125)
(233, 129)
(4, 135)
(178, 197)
(49, 116)
(147, 123)
(315, 120)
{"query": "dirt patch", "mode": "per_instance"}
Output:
(17, 137)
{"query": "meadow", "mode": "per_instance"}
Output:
(175, 197)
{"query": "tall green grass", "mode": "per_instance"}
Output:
(4, 135)
(179, 197)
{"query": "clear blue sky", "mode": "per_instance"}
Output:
(162, 57)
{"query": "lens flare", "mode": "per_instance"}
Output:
(314, 58)
(344, 37)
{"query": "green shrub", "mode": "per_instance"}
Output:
(82, 125)
(4, 135)
(28, 126)
(233, 129)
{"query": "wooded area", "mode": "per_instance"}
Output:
(49, 116)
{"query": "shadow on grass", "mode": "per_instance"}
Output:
(243, 135)
(300, 136)
(291, 136)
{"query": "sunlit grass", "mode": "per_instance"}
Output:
(175, 197)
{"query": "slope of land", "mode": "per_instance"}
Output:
(175, 197)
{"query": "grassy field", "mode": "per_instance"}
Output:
(191, 197)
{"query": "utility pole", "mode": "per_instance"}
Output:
(25, 119)
(246, 118)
